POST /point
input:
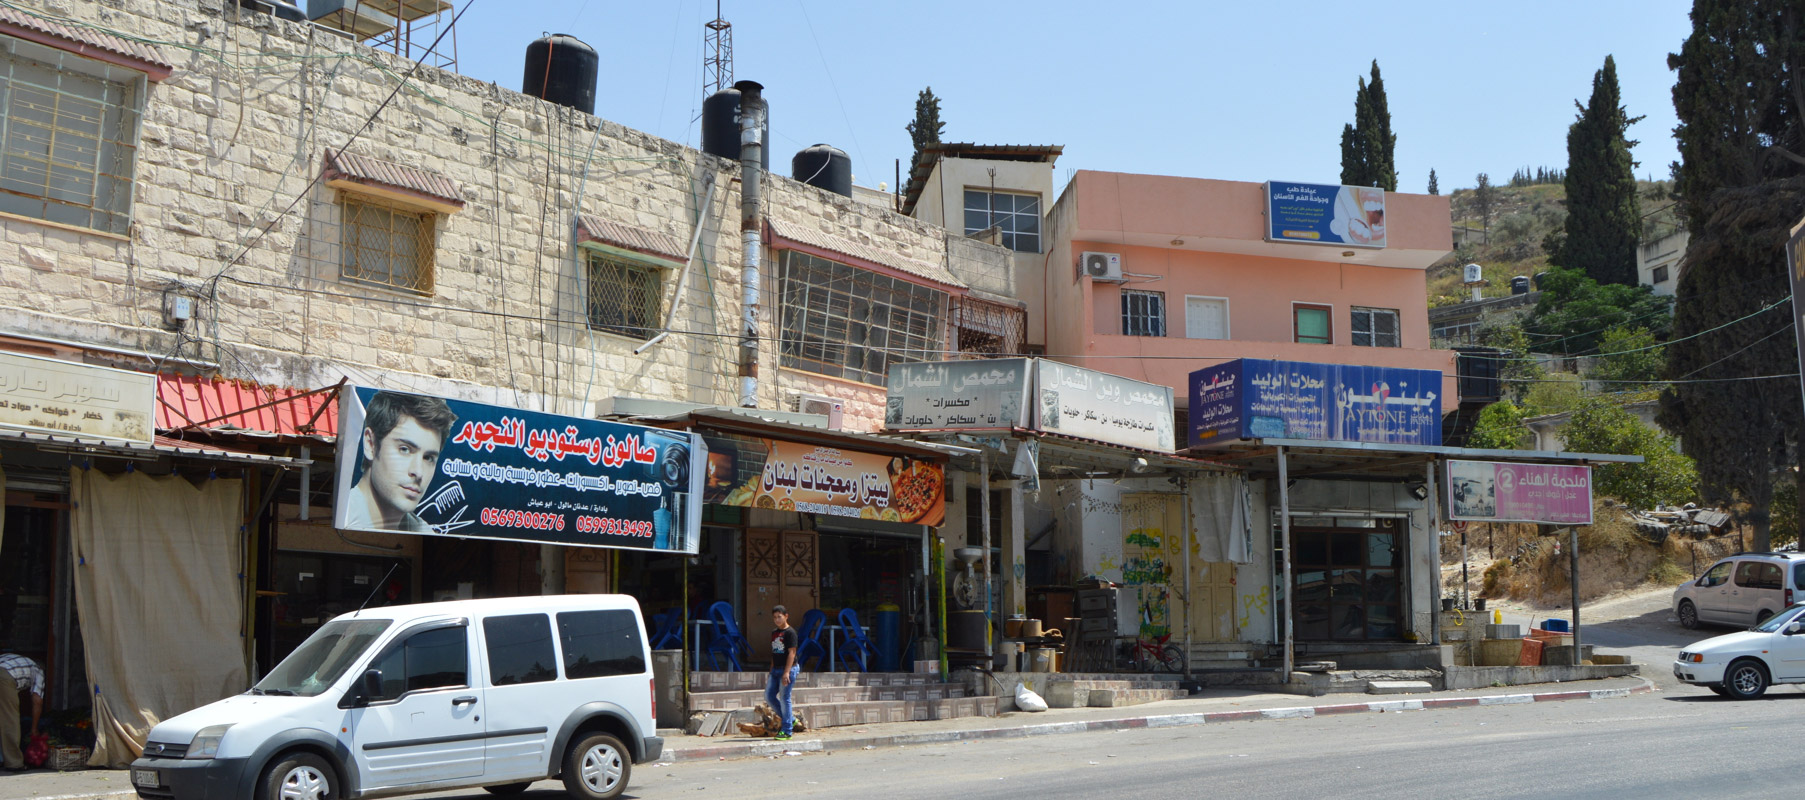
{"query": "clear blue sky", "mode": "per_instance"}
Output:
(1240, 91)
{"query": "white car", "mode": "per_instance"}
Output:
(1742, 665)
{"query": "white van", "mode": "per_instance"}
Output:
(491, 693)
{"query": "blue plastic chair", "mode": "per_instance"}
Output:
(728, 641)
(857, 647)
(667, 633)
(813, 622)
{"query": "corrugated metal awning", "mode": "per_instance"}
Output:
(865, 256)
(162, 447)
(591, 228)
(83, 39)
(216, 405)
(408, 184)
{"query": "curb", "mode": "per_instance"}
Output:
(762, 749)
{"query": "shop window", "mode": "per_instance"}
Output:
(432, 659)
(520, 649)
(987, 330)
(598, 644)
(68, 149)
(1015, 216)
(623, 297)
(1310, 324)
(1374, 327)
(852, 323)
(386, 244)
(1143, 313)
(1346, 581)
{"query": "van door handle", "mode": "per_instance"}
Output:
(465, 700)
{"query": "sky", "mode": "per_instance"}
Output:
(1236, 91)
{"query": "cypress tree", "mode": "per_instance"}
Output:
(926, 128)
(1433, 188)
(1367, 145)
(1604, 217)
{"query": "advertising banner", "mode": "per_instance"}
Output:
(55, 396)
(1319, 213)
(751, 472)
(410, 463)
(1261, 399)
(991, 393)
(1088, 404)
(1795, 270)
(1495, 491)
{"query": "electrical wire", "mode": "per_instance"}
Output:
(1776, 304)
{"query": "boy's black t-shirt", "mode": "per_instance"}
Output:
(783, 641)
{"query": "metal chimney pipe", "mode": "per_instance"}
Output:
(752, 146)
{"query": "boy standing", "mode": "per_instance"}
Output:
(783, 669)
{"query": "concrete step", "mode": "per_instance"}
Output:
(755, 680)
(1116, 698)
(1248, 676)
(812, 695)
(1109, 693)
(1115, 676)
(874, 712)
(1198, 664)
(1398, 687)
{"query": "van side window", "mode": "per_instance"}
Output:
(520, 649)
(1718, 576)
(601, 643)
(433, 659)
(1757, 575)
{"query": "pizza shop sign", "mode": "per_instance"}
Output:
(794, 476)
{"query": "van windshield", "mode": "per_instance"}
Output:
(319, 662)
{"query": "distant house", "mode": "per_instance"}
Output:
(1547, 428)
(1658, 262)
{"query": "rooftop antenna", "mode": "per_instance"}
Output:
(717, 54)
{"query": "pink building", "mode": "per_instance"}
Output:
(1190, 279)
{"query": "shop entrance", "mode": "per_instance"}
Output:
(315, 587)
(1347, 583)
(781, 567)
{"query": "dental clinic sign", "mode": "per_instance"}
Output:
(1324, 213)
(1261, 399)
(1497, 491)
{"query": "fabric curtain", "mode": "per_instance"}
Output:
(157, 588)
(1225, 517)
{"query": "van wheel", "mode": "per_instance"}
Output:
(1688, 615)
(1761, 616)
(508, 789)
(298, 776)
(1745, 680)
(597, 768)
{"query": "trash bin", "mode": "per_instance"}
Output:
(886, 628)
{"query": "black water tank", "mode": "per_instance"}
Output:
(721, 127)
(561, 69)
(1538, 280)
(1519, 284)
(824, 166)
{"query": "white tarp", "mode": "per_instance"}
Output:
(1224, 532)
(157, 561)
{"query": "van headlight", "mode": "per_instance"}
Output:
(206, 743)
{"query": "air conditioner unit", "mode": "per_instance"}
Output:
(1101, 266)
(828, 407)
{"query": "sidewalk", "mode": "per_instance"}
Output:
(1214, 706)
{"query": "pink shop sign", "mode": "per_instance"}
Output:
(1497, 491)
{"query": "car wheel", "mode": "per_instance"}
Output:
(1745, 680)
(597, 767)
(508, 789)
(298, 776)
(1762, 616)
(1688, 615)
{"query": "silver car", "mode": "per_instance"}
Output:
(1741, 590)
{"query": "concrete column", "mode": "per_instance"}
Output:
(1015, 550)
(551, 570)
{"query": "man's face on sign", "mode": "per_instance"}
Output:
(401, 464)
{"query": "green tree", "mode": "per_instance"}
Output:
(1628, 358)
(1665, 476)
(1484, 196)
(1500, 427)
(926, 128)
(1604, 219)
(1367, 144)
(1517, 366)
(1433, 188)
(1574, 311)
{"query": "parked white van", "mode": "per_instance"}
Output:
(491, 693)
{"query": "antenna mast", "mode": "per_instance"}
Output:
(717, 54)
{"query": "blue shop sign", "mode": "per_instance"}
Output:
(1265, 399)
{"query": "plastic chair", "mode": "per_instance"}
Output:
(668, 631)
(857, 647)
(813, 622)
(727, 639)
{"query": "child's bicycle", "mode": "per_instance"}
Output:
(1157, 654)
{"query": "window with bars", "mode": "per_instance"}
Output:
(623, 297)
(386, 245)
(1375, 327)
(846, 322)
(1143, 313)
(68, 137)
(1017, 216)
(986, 330)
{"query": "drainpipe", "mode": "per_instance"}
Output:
(752, 117)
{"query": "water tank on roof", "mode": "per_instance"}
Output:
(824, 166)
(561, 69)
(1519, 284)
(721, 127)
(1538, 280)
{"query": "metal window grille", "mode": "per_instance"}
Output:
(986, 330)
(1375, 327)
(1143, 313)
(1015, 216)
(67, 137)
(623, 297)
(851, 323)
(386, 245)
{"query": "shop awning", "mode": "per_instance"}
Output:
(1058, 456)
(750, 422)
(187, 404)
(163, 447)
(1309, 458)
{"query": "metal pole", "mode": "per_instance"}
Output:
(984, 525)
(1184, 488)
(752, 145)
(1435, 545)
(1465, 601)
(1285, 543)
(1573, 576)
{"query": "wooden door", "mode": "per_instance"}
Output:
(1214, 614)
(1153, 533)
(781, 567)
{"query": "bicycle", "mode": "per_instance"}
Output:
(1157, 654)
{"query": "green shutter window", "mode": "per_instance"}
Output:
(1312, 324)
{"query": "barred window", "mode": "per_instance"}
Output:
(987, 330)
(1016, 215)
(386, 245)
(623, 296)
(847, 322)
(68, 140)
(1375, 327)
(1143, 313)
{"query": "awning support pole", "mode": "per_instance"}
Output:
(984, 523)
(1573, 576)
(306, 482)
(1187, 533)
(1285, 544)
(1435, 547)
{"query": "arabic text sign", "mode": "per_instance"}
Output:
(794, 476)
(415, 464)
(1260, 399)
(1497, 491)
(1088, 404)
(990, 393)
(55, 396)
(1316, 213)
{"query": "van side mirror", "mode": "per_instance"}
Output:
(369, 686)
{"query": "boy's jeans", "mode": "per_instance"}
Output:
(777, 694)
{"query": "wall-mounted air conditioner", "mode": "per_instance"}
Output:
(1101, 266)
(828, 407)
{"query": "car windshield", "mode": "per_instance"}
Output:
(322, 659)
(1774, 623)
